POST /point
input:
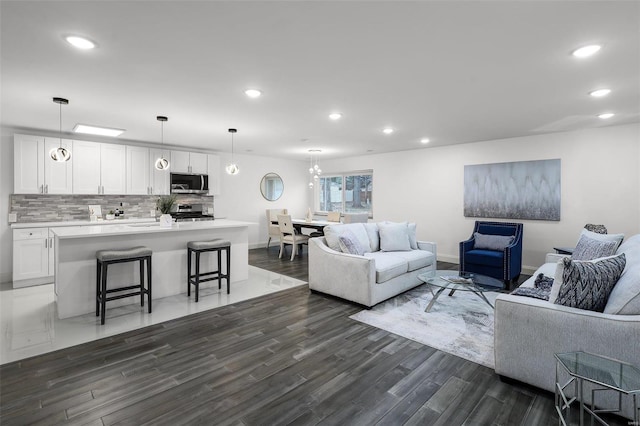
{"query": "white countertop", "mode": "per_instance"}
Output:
(142, 228)
(81, 223)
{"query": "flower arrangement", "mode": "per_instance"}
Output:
(165, 203)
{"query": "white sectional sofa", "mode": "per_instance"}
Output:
(377, 274)
(528, 331)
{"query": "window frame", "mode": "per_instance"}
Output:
(343, 176)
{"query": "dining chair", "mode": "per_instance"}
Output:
(288, 235)
(333, 216)
(272, 223)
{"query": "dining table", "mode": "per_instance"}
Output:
(317, 225)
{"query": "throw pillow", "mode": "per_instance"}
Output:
(625, 296)
(602, 237)
(491, 242)
(588, 248)
(394, 236)
(349, 243)
(413, 240)
(537, 293)
(374, 235)
(587, 284)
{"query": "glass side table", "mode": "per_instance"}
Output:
(608, 373)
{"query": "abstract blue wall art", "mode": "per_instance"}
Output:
(518, 190)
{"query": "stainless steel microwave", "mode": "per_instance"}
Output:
(188, 183)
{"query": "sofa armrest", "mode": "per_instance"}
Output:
(429, 246)
(528, 332)
(344, 275)
(554, 257)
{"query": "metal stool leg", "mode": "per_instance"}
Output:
(228, 250)
(103, 292)
(219, 269)
(141, 282)
(197, 283)
(149, 282)
(189, 251)
(97, 287)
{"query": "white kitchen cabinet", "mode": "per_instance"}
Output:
(113, 172)
(34, 170)
(99, 168)
(138, 170)
(31, 257)
(188, 162)
(86, 168)
(213, 170)
(159, 179)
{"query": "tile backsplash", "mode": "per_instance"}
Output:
(54, 208)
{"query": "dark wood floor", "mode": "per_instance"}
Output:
(288, 358)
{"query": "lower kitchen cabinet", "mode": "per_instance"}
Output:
(33, 255)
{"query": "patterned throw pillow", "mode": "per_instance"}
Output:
(587, 285)
(349, 243)
(588, 248)
(541, 288)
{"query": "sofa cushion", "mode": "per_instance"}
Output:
(349, 243)
(394, 236)
(413, 239)
(589, 248)
(625, 296)
(333, 232)
(373, 234)
(484, 257)
(388, 265)
(491, 242)
(587, 284)
(416, 259)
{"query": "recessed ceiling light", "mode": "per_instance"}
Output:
(424, 140)
(606, 115)
(335, 116)
(95, 130)
(600, 93)
(80, 42)
(253, 93)
(387, 130)
(586, 51)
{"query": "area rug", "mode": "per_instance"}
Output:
(461, 324)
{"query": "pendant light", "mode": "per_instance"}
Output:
(314, 167)
(162, 163)
(232, 168)
(60, 154)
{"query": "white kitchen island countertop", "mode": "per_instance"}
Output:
(144, 228)
(22, 225)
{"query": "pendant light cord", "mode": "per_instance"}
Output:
(60, 134)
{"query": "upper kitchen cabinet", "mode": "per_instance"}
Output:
(98, 168)
(34, 170)
(188, 162)
(159, 179)
(213, 170)
(138, 170)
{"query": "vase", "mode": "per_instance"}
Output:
(166, 221)
(309, 216)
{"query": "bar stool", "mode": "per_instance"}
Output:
(198, 247)
(107, 257)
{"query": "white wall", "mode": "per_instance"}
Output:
(600, 184)
(240, 195)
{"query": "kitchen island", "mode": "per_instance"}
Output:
(75, 259)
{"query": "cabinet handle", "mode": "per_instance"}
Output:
(46, 243)
(51, 242)
(42, 189)
(46, 189)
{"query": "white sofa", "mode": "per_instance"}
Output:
(529, 331)
(370, 278)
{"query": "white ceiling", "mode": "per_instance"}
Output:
(452, 71)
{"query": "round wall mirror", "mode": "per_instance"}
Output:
(271, 186)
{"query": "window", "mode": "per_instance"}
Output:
(346, 193)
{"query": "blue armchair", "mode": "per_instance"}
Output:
(503, 264)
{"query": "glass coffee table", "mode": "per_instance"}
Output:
(459, 281)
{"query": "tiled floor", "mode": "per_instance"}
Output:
(29, 325)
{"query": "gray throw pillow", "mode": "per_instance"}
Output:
(587, 285)
(589, 248)
(491, 242)
(349, 243)
(394, 236)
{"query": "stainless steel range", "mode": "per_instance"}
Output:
(189, 213)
